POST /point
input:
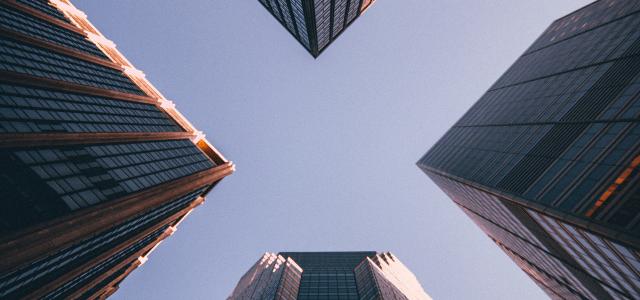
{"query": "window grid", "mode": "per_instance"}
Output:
(557, 129)
(354, 9)
(339, 11)
(600, 257)
(298, 15)
(275, 10)
(32, 26)
(284, 7)
(29, 109)
(86, 175)
(104, 266)
(323, 20)
(23, 58)
(45, 7)
(588, 18)
(499, 223)
(20, 280)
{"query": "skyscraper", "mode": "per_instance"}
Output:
(327, 276)
(316, 23)
(97, 167)
(546, 163)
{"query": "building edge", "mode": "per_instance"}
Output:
(109, 48)
(82, 25)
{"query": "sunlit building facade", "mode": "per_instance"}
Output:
(547, 162)
(316, 23)
(328, 275)
(97, 167)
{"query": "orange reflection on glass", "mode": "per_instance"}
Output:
(613, 187)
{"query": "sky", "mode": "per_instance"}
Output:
(325, 148)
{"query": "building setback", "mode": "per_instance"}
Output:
(316, 23)
(328, 275)
(96, 166)
(546, 163)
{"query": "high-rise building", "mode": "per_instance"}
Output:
(96, 166)
(546, 163)
(328, 276)
(316, 23)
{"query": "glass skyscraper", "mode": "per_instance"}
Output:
(547, 161)
(97, 167)
(328, 276)
(316, 23)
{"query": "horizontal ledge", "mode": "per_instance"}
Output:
(59, 49)
(15, 140)
(25, 79)
(43, 16)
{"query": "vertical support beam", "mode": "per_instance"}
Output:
(310, 18)
(293, 18)
(332, 12)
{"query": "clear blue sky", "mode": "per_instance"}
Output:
(325, 149)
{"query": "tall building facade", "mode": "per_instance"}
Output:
(97, 167)
(328, 276)
(316, 23)
(546, 163)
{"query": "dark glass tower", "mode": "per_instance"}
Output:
(96, 166)
(316, 23)
(328, 276)
(547, 161)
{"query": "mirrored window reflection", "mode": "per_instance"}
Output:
(612, 263)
